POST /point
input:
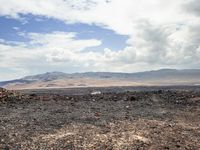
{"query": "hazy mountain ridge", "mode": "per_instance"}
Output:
(60, 79)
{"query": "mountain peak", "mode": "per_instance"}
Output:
(46, 76)
(64, 80)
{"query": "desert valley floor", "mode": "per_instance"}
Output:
(117, 118)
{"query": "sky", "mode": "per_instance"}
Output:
(38, 36)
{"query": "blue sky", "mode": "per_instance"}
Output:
(97, 35)
(10, 29)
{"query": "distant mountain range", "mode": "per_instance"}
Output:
(101, 79)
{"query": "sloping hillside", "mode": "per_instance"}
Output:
(104, 79)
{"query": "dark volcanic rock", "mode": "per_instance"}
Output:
(123, 120)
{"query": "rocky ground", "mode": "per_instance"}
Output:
(155, 119)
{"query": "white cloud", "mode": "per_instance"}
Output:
(193, 6)
(118, 15)
(43, 51)
(161, 34)
(61, 41)
(16, 28)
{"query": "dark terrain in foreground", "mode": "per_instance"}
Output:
(142, 119)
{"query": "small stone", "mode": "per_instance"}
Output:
(95, 92)
(6, 148)
(132, 98)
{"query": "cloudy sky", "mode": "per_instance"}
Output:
(37, 36)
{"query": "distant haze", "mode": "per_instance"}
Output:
(106, 79)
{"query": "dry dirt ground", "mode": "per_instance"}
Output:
(154, 120)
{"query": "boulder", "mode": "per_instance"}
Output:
(2, 89)
(2, 92)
